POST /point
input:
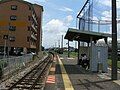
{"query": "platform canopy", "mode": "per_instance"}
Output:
(84, 36)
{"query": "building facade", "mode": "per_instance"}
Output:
(20, 26)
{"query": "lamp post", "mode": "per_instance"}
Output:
(62, 44)
(114, 41)
(98, 25)
(59, 44)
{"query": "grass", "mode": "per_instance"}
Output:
(110, 63)
(72, 54)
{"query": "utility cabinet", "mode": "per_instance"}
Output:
(98, 57)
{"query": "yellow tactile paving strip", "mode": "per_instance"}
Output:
(66, 80)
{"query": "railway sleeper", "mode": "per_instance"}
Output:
(27, 87)
(26, 83)
(33, 78)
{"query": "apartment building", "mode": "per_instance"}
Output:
(20, 26)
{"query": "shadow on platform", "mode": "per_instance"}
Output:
(72, 69)
(89, 83)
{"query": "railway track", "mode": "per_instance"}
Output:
(34, 79)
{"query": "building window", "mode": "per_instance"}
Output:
(29, 28)
(29, 18)
(12, 38)
(13, 7)
(13, 17)
(28, 38)
(5, 36)
(12, 28)
(29, 8)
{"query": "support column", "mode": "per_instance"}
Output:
(68, 49)
(105, 39)
(114, 40)
(78, 52)
(90, 53)
(88, 46)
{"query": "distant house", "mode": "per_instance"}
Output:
(71, 49)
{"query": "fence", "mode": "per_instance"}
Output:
(9, 65)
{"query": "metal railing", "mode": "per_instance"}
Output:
(10, 65)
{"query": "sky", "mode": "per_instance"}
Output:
(59, 15)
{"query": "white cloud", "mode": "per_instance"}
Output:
(55, 26)
(54, 29)
(95, 18)
(68, 20)
(66, 9)
(106, 15)
(106, 2)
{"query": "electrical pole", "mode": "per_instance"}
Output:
(98, 25)
(58, 43)
(75, 45)
(78, 45)
(68, 49)
(62, 44)
(114, 41)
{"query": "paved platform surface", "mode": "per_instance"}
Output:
(69, 76)
(51, 81)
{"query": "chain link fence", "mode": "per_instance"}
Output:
(9, 65)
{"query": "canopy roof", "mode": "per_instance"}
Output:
(79, 35)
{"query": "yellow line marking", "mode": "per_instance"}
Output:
(66, 80)
(117, 82)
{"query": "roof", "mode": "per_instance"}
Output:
(79, 35)
(22, 1)
(4, 1)
(39, 6)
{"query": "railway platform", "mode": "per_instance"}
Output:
(67, 75)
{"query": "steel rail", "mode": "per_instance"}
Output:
(38, 78)
(31, 74)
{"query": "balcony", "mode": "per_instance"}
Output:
(33, 36)
(34, 17)
(34, 27)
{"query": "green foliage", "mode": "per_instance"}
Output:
(72, 54)
(110, 63)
